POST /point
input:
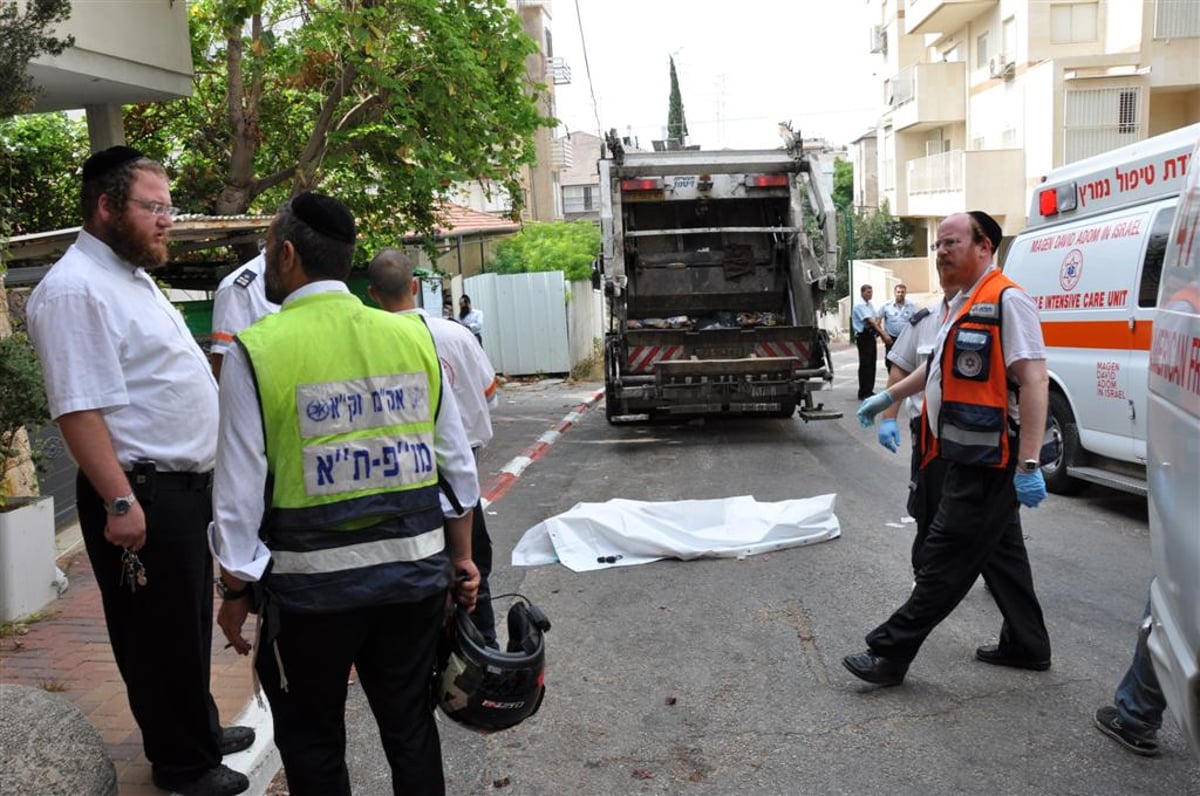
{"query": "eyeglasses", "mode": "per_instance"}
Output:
(944, 243)
(156, 209)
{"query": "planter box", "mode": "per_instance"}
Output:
(27, 570)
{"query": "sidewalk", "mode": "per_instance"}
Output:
(67, 652)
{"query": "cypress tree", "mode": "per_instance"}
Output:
(676, 122)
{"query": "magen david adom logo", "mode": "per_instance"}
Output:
(1072, 269)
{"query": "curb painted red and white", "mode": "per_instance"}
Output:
(501, 482)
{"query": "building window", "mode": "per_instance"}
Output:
(1176, 19)
(1009, 53)
(978, 142)
(587, 197)
(981, 52)
(1096, 120)
(1073, 22)
(1008, 138)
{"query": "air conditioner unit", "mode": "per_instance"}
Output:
(1002, 68)
(878, 39)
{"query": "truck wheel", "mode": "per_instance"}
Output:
(787, 408)
(610, 407)
(1062, 422)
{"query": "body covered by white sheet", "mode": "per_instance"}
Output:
(625, 532)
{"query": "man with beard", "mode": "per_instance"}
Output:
(343, 488)
(137, 405)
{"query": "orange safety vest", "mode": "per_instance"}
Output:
(973, 424)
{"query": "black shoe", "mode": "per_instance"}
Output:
(876, 668)
(1109, 723)
(997, 657)
(235, 739)
(219, 781)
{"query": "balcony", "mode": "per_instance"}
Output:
(562, 154)
(942, 16)
(558, 71)
(939, 185)
(925, 96)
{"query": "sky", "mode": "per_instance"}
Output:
(743, 66)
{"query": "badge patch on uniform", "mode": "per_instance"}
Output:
(985, 310)
(245, 278)
(971, 351)
(969, 364)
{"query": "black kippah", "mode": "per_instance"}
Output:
(326, 215)
(107, 160)
(989, 226)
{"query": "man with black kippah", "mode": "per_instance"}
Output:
(343, 490)
(137, 406)
(984, 418)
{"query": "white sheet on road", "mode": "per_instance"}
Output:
(639, 531)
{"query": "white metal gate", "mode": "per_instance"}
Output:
(524, 321)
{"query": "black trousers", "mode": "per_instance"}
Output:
(481, 553)
(393, 647)
(867, 353)
(161, 633)
(976, 529)
(887, 349)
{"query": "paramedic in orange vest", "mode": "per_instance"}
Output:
(986, 380)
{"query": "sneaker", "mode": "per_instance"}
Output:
(219, 781)
(1109, 723)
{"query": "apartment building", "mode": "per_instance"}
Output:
(983, 97)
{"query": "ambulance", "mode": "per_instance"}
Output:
(1174, 469)
(1091, 258)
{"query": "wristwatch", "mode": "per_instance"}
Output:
(1029, 466)
(226, 593)
(120, 506)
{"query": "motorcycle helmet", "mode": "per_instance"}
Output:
(487, 689)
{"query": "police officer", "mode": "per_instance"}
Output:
(990, 339)
(341, 457)
(894, 317)
(240, 300)
(137, 406)
(866, 327)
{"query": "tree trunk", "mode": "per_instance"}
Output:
(19, 478)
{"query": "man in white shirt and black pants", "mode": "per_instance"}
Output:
(472, 379)
(137, 405)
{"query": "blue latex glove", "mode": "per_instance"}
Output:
(889, 434)
(873, 406)
(1031, 488)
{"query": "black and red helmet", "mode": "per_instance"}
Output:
(487, 689)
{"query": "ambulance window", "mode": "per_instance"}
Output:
(1152, 267)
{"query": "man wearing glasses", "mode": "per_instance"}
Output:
(137, 405)
(984, 417)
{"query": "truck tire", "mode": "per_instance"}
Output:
(610, 406)
(787, 408)
(1062, 421)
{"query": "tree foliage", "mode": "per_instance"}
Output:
(383, 103)
(843, 185)
(867, 235)
(23, 37)
(676, 122)
(40, 156)
(567, 246)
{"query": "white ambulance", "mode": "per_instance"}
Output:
(1091, 257)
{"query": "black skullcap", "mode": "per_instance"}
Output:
(107, 160)
(326, 215)
(989, 226)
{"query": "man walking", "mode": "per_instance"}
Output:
(470, 317)
(865, 326)
(991, 339)
(137, 406)
(343, 486)
(894, 317)
(472, 380)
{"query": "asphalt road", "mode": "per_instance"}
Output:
(724, 676)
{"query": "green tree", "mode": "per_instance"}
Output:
(39, 163)
(676, 121)
(570, 247)
(843, 185)
(867, 235)
(384, 103)
(23, 37)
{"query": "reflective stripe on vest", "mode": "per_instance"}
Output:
(354, 556)
(973, 423)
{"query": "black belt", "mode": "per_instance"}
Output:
(179, 482)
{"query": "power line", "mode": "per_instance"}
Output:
(587, 67)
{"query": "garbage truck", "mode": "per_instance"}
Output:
(714, 266)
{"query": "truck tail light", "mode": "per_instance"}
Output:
(643, 184)
(766, 180)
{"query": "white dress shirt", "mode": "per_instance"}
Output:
(240, 300)
(109, 340)
(1020, 335)
(913, 346)
(239, 484)
(466, 368)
